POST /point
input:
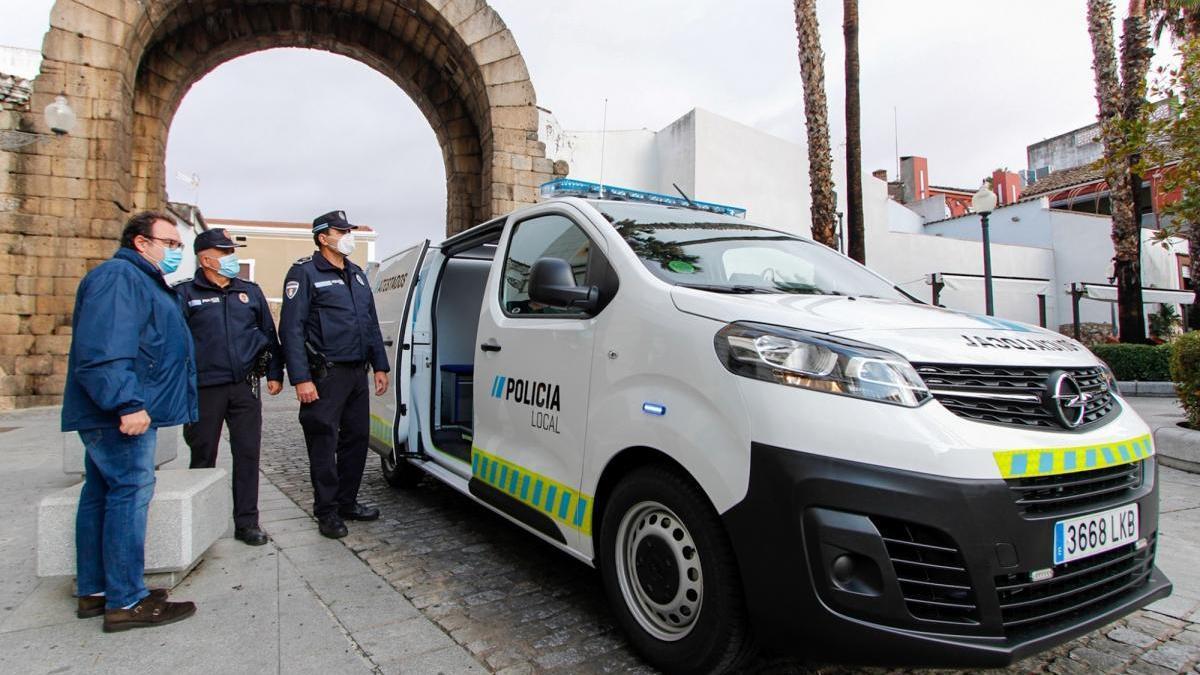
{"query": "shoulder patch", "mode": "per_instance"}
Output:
(291, 288)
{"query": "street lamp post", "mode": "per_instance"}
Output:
(59, 117)
(983, 203)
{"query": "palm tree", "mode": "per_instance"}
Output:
(1119, 106)
(857, 247)
(1136, 54)
(816, 114)
(1181, 18)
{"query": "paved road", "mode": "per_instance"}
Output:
(301, 604)
(520, 606)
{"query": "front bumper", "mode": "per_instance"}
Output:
(821, 579)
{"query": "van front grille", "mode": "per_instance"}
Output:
(932, 574)
(1078, 587)
(1014, 395)
(1045, 495)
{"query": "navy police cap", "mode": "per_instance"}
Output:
(214, 238)
(335, 219)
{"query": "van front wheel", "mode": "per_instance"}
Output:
(670, 574)
(399, 474)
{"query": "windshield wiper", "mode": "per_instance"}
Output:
(736, 289)
(803, 289)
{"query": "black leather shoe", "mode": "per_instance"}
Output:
(359, 512)
(332, 526)
(252, 535)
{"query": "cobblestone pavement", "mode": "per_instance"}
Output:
(521, 606)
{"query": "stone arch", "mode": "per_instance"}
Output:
(126, 65)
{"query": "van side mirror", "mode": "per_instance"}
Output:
(551, 282)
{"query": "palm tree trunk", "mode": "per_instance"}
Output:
(816, 114)
(857, 245)
(1136, 54)
(1126, 230)
(1193, 239)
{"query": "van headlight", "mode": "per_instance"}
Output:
(1109, 378)
(820, 362)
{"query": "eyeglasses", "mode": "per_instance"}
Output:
(173, 244)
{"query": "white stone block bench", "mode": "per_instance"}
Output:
(190, 510)
(166, 448)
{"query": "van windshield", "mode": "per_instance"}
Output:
(728, 255)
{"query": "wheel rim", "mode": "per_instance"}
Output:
(658, 569)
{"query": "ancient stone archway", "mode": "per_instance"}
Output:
(126, 65)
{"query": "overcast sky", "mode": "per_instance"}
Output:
(289, 134)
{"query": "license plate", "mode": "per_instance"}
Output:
(1096, 533)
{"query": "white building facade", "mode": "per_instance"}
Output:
(711, 158)
(1035, 250)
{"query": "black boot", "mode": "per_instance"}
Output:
(359, 512)
(252, 535)
(332, 526)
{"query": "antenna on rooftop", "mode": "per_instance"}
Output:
(192, 181)
(684, 195)
(603, 133)
(896, 138)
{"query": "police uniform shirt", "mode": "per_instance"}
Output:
(333, 310)
(230, 326)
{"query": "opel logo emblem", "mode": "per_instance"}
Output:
(1067, 400)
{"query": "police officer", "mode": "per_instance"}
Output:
(236, 345)
(330, 335)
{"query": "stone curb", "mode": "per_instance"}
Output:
(1134, 388)
(1178, 448)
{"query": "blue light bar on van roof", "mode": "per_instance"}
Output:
(569, 187)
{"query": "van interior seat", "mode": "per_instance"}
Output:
(456, 322)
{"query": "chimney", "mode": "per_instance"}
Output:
(1007, 186)
(914, 176)
(881, 174)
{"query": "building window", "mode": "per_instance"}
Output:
(246, 270)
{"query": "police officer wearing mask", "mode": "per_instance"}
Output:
(236, 345)
(330, 335)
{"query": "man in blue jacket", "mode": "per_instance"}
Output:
(131, 370)
(235, 346)
(330, 335)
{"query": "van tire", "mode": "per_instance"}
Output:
(399, 474)
(718, 637)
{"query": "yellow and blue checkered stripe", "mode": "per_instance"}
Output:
(562, 503)
(381, 430)
(1035, 462)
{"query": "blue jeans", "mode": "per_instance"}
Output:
(110, 527)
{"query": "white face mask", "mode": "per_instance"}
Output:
(345, 245)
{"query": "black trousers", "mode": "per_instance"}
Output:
(235, 405)
(336, 428)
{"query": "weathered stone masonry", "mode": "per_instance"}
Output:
(125, 66)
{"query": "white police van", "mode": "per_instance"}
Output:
(760, 443)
